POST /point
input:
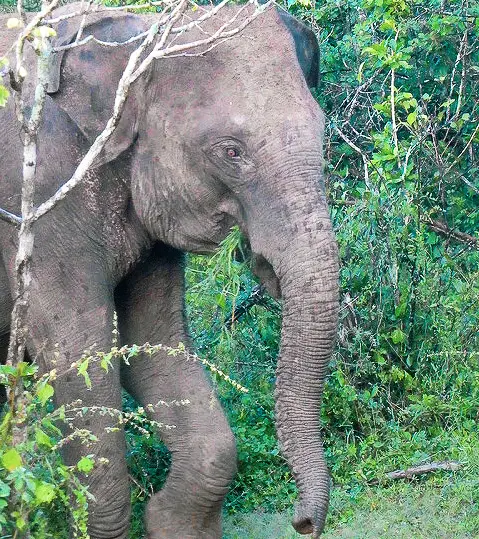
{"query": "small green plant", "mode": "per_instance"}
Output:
(39, 494)
(34, 482)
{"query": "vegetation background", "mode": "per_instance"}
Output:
(400, 87)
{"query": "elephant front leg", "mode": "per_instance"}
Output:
(70, 315)
(150, 309)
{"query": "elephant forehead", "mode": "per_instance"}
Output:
(252, 61)
(249, 83)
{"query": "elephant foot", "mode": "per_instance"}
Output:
(189, 506)
(174, 523)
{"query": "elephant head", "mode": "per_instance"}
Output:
(234, 136)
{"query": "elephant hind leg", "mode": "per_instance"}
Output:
(150, 309)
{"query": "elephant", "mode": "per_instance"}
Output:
(205, 142)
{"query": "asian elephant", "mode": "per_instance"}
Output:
(205, 142)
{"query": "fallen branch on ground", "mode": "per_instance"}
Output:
(448, 465)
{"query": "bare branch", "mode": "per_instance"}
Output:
(444, 230)
(10, 217)
(131, 73)
(468, 143)
(393, 113)
(219, 34)
(351, 144)
(177, 30)
(92, 38)
(469, 184)
(448, 465)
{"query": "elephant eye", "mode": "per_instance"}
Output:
(232, 152)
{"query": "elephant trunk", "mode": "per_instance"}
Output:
(306, 265)
(308, 333)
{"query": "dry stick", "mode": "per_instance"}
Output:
(356, 149)
(105, 135)
(469, 142)
(469, 184)
(10, 218)
(83, 21)
(16, 349)
(463, 78)
(393, 115)
(129, 76)
(448, 465)
(92, 38)
(18, 329)
(460, 55)
(444, 230)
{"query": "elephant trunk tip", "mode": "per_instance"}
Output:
(307, 521)
(303, 525)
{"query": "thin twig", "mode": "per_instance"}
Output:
(393, 115)
(10, 218)
(358, 150)
(469, 142)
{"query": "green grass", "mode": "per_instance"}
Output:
(411, 512)
(443, 505)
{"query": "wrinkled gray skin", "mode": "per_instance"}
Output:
(231, 137)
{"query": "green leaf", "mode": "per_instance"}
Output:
(83, 371)
(42, 438)
(20, 523)
(398, 336)
(378, 49)
(27, 369)
(4, 94)
(85, 464)
(12, 460)
(388, 24)
(44, 392)
(44, 492)
(4, 490)
(411, 117)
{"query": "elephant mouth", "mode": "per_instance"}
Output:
(265, 273)
(259, 266)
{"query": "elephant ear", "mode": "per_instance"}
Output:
(307, 48)
(111, 26)
(83, 80)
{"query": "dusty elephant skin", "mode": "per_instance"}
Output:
(206, 142)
